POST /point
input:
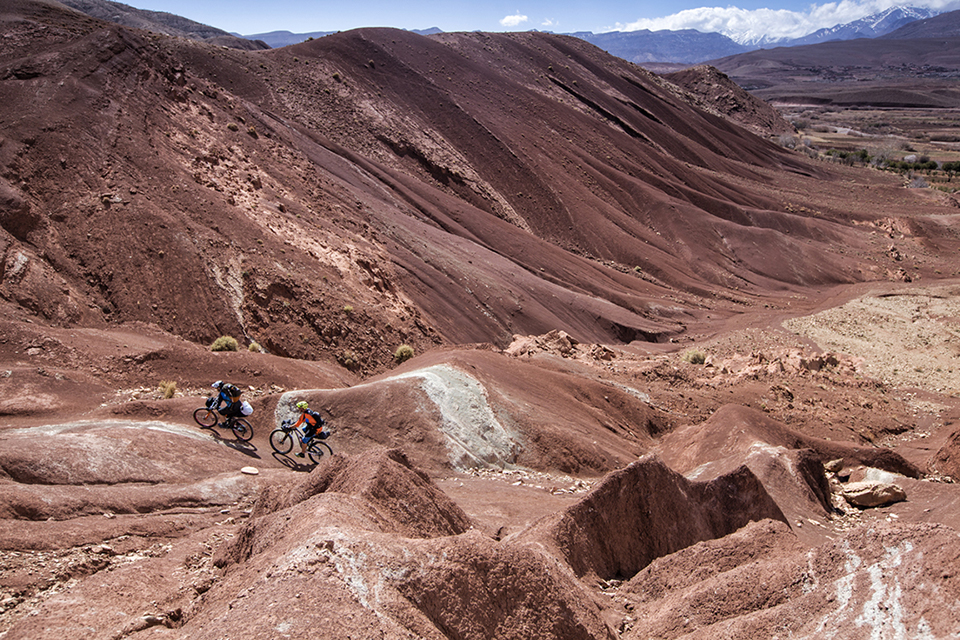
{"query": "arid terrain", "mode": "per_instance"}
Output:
(671, 379)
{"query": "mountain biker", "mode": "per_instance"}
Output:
(311, 421)
(229, 397)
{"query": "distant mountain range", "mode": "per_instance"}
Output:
(687, 46)
(285, 38)
(876, 25)
(690, 46)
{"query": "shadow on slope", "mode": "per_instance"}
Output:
(647, 511)
(789, 464)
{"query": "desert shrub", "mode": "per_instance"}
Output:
(788, 142)
(255, 347)
(403, 353)
(850, 157)
(224, 343)
(348, 359)
(348, 308)
(233, 126)
(695, 357)
(168, 388)
(918, 182)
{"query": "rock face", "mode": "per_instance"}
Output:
(873, 494)
(947, 459)
(713, 91)
(646, 511)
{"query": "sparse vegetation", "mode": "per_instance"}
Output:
(224, 343)
(850, 157)
(233, 126)
(695, 357)
(255, 347)
(403, 353)
(348, 309)
(348, 359)
(168, 388)
(788, 141)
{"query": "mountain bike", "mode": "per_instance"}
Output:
(208, 418)
(282, 440)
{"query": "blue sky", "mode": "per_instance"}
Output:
(749, 18)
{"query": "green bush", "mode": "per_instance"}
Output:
(695, 357)
(404, 352)
(255, 347)
(224, 343)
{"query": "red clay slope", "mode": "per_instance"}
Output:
(345, 195)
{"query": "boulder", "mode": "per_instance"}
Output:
(873, 494)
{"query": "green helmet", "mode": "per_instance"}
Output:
(302, 405)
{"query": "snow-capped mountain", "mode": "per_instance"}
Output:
(872, 26)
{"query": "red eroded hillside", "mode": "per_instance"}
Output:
(668, 379)
(343, 196)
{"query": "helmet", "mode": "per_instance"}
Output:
(217, 384)
(302, 405)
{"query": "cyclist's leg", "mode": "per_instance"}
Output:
(304, 443)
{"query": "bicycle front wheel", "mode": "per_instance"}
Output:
(317, 450)
(206, 417)
(281, 441)
(242, 429)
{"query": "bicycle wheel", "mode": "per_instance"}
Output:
(205, 417)
(281, 441)
(317, 450)
(242, 429)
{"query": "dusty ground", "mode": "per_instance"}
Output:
(818, 390)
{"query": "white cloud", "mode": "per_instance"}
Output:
(513, 21)
(751, 25)
(549, 23)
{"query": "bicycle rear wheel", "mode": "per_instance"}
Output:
(317, 450)
(281, 441)
(242, 430)
(206, 417)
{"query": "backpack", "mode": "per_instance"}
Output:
(316, 416)
(231, 391)
(245, 408)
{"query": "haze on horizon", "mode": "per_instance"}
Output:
(749, 20)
